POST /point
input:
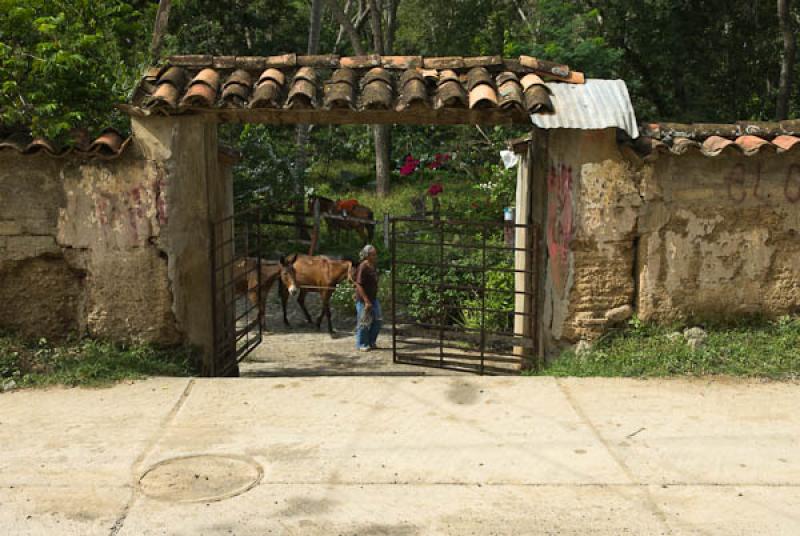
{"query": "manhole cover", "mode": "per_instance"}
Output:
(200, 478)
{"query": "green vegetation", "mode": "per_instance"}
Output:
(87, 362)
(757, 349)
(65, 63)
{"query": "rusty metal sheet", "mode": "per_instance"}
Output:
(597, 104)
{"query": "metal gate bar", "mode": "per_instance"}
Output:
(466, 274)
(235, 272)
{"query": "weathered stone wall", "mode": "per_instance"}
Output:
(117, 249)
(681, 238)
(78, 248)
(720, 236)
(590, 221)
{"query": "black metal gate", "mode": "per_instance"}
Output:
(235, 274)
(464, 294)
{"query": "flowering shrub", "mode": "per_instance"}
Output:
(435, 189)
(411, 164)
(438, 160)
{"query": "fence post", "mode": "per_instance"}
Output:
(315, 234)
(388, 221)
(386, 231)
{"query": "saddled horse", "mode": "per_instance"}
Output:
(328, 206)
(302, 274)
(245, 278)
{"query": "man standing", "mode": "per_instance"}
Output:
(368, 308)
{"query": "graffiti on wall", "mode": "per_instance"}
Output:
(560, 223)
(740, 184)
(129, 215)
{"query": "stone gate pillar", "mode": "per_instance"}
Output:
(194, 192)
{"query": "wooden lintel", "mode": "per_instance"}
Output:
(368, 117)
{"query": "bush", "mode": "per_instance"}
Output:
(88, 361)
(768, 349)
(499, 315)
(425, 302)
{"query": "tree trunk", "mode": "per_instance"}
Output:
(391, 25)
(344, 21)
(160, 28)
(314, 27)
(787, 64)
(302, 131)
(377, 30)
(382, 134)
(383, 168)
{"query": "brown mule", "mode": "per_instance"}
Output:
(301, 274)
(328, 206)
(246, 281)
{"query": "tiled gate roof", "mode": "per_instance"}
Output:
(366, 89)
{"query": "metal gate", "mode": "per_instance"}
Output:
(235, 274)
(464, 294)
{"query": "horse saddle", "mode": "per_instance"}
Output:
(346, 205)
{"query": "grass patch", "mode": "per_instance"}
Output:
(757, 349)
(88, 362)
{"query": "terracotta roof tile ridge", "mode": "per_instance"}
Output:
(522, 64)
(109, 144)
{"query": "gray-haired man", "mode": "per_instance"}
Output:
(368, 308)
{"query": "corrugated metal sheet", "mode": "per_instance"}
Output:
(597, 104)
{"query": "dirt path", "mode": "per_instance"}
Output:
(302, 350)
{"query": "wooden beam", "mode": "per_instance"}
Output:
(424, 116)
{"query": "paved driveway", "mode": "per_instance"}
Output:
(402, 456)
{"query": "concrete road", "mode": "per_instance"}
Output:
(402, 456)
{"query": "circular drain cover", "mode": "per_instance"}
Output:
(200, 478)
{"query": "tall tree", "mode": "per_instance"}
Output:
(382, 133)
(787, 63)
(160, 28)
(301, 136)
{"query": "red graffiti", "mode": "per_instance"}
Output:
(560, 225)
(792, 177)
(126, 217)
(736, 183)
(103, 208)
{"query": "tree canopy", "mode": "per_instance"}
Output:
(64, 63)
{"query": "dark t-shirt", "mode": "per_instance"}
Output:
(367, 277)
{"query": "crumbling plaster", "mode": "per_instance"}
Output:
(590, 222)
(78, 248)
(720, 237)
(195, 193)
(680, 238)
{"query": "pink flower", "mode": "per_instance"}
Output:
(435, 189)
(409, 166)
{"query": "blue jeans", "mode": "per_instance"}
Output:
(366, 336)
